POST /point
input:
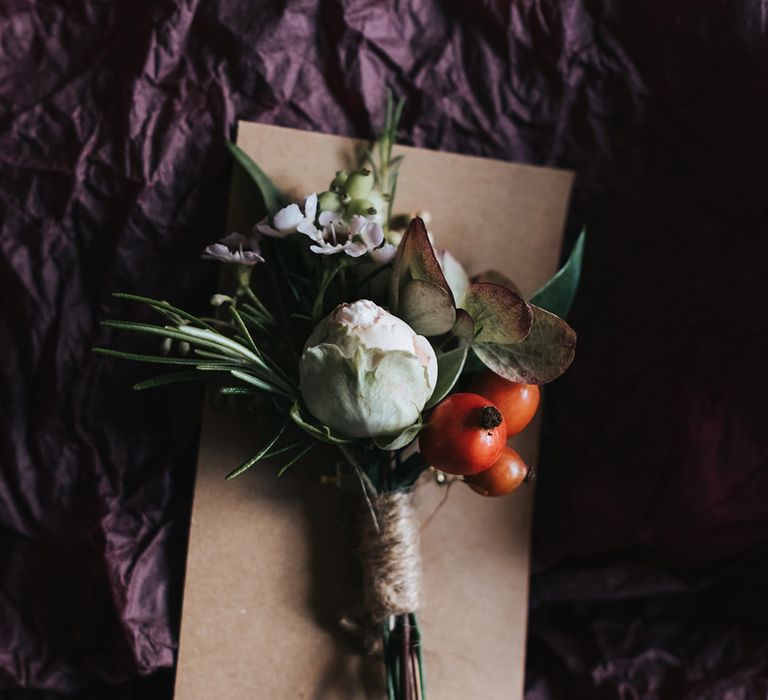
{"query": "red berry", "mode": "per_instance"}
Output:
(517, 402)
(465, 434)
(504, 476)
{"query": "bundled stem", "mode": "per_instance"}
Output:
(392, 589)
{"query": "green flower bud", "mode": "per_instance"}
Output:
(329, 201)
(338, 183)
(380, 204)
(361, 207)
(359, 183)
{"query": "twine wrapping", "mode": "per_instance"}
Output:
(390, 557)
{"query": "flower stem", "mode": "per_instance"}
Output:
(325, 281)
(258, 304)
(388, 662)
(403, 658)
(371, 275)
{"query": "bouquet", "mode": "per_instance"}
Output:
(347, 329)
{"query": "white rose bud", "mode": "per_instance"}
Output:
(365, 372)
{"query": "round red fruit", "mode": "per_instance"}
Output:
(465, 434)
(504, 476)
(517, 402)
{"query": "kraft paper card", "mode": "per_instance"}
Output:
(271, 561)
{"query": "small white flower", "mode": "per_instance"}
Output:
(385, 254)
(235, 248)
(360, 236)
(292, 219)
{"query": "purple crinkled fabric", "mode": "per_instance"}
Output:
(652, 519)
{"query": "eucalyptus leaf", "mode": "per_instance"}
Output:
(500, 314)
(496, 277)
(397, 442)
(557, 295)
(464, 326)
(274, 199)
(542, 356)
(427, 308)
(449, 367)
(415, 260)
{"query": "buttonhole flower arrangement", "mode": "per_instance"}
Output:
(346, 322)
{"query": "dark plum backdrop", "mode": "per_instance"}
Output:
(652, 516)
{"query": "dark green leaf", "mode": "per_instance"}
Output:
(214, 367)
(158, 359)
(171, 378)
(321, 433)
(218, 357)
(223, 342)
(474, 364)
(449, 367)
(407, 473)
(397, 442)
(544, 355)
(287, 466)
(557, 295)
(259, 383)
(171, 312)
(286, 448)
(175, 333)
(259, 455)
(243, 330)
(274, 199)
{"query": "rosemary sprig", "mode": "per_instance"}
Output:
(238, 356)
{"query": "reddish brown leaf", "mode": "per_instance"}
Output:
(542, 356)
(415, 260)
(500, 315)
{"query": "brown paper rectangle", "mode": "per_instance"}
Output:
(271, 561)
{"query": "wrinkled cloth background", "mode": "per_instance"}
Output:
(652, 517)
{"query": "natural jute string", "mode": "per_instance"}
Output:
(389, 552)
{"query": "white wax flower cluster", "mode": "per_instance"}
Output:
(333, 234)
(365, 372)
